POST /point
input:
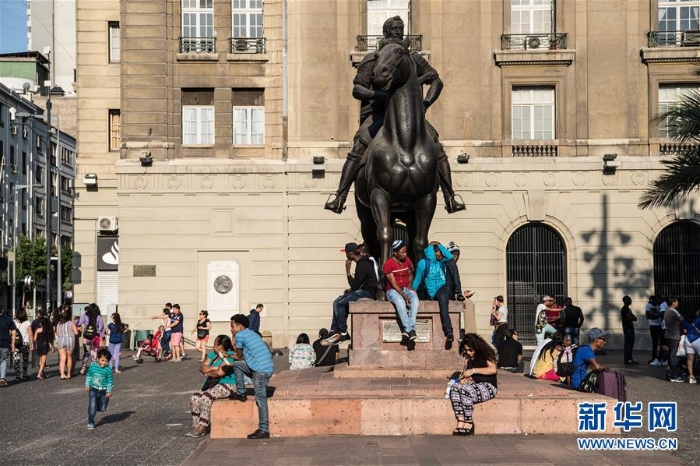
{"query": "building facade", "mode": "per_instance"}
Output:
(27, 147)
(200, 121)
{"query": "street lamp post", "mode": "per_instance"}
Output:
(16, 217)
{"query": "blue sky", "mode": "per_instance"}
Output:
(13, 26)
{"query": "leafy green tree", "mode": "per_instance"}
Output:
(681, 175)
(67, 267)
(31, 258)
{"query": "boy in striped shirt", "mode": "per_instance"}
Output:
(98, 383)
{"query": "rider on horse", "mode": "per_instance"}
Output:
(372, 115)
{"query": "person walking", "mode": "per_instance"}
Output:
(8, 329)
(253, 358)
(66, 330)
(177, 327)
(202, 328)
(99, 385)
(24, 328)
(43, 341)
(92, 327)
(478, 382)
(116, 330)
(254, 318)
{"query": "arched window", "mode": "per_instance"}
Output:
(536, 266)
(677, 264)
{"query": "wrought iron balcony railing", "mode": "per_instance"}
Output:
(371, 43)
(247, 45)
(533, 41)
(197, 45)
(674, 38)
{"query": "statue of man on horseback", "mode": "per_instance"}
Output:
(374, 104)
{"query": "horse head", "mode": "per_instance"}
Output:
(393, 67)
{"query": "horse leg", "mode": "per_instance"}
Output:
(369, 230)
(423, 215)
(381, 211)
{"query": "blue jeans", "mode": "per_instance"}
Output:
(442, 296)
(260, 380)
(4, 352)
(98, 402)
(573, 333)
(165, 342)
(408, 319)
(341, 307)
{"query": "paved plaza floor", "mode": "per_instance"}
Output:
(45, 423)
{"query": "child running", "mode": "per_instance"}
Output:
(99, 385)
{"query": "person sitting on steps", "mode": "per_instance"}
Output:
(372, 116)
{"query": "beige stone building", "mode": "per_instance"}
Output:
(199, 121)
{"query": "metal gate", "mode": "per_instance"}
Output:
(536, 266)
(677, 265)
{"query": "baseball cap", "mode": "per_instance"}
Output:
(350, 247)
(398, 244)
(452, 247)
(547, 298)
(595, 333)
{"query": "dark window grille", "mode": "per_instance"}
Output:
(677, 265)
(536, 266)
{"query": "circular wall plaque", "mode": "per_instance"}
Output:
(223, 284)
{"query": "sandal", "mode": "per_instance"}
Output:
(469, 431)
(460, 432)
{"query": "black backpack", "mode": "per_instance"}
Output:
(565, 361)
(90, 329)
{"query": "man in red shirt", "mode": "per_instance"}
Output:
(398, 270)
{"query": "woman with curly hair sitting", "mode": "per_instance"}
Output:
(477, 382)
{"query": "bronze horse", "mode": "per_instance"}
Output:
(400, 178)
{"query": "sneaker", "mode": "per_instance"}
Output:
(331, 340)
(412, 335)
(450, 337)
(82, 371)
(91, 426)
(677, 379)
(665, 363)
(238, 397)
(655, 362)
(259, 434)
(692, 380)
(343, 337)
(194, 433)
(405, 335)
(460, 297)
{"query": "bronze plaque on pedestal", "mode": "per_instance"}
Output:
(391, 332)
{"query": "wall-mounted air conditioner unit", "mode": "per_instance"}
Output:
(107, 223)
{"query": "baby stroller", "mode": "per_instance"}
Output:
(150, 346)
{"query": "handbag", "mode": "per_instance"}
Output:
(201, 334)
(681, 347)
(589, 383)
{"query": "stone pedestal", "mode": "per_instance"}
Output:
(378, 351)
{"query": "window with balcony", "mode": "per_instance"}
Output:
(533, 113)
(115, 137)
(679, 24)
(248, 117)
(247, 22)
(115, 41)
(532, 27)
(197, 27)
(198, 116)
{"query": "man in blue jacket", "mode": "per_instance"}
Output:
(431, 271)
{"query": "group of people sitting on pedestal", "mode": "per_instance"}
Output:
(434, 278)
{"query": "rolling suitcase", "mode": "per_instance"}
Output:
(612, 384)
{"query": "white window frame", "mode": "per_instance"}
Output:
(531, 16)
(203, 16)
(115, 137)
(248, 125)
(115, 42)
(678, 8)
(378, 11)
(247, 19)
(537, 104)
(669, 96)
(198, 125)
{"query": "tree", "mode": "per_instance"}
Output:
(31, 259)
(67, 267)
(681, 175)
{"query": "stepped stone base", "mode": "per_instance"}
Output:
(313, 402)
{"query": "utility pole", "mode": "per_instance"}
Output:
(48, 192)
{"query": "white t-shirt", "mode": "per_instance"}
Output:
(504, 314)
(23, 329)
(662, 309)
(655, 322)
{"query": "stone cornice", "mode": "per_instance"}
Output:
(670, 55)
(538, 57)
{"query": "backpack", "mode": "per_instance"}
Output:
(565, 361)
(19, 340)
(90, 329)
